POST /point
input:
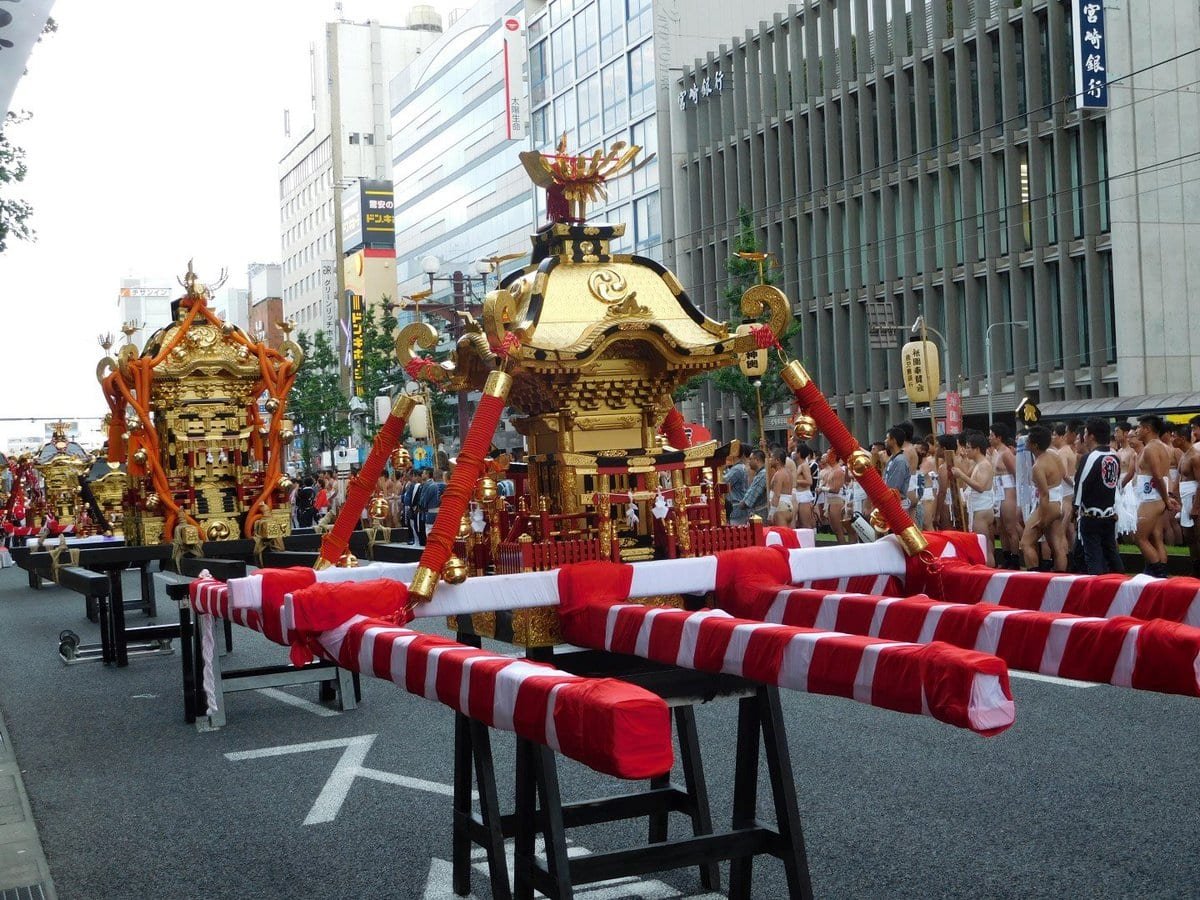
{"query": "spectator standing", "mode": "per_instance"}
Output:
(783, 484)
(896, 473)
(1096, 485)
(306, 503)
(737, 479)
(979, 482)
(754, 502)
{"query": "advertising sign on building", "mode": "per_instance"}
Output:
(516, 97)
(368, 216)
(1091, 54)
(357, 346)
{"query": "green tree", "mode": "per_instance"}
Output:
(742, 275)
(14, 213)
(316, 402)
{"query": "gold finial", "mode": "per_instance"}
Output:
(287, 326)
(572, 182)
(106, 341)
(129, 329)
(763, 259)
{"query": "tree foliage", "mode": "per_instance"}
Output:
(382, 373)
(15, 214)
(742, 275)
(316, 402)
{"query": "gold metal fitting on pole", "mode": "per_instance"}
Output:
(423, 584)
(912, 540)
(455, 571)
(794, 375)
(860, 461)
(404, 406)
(321, 563)
(498, 385)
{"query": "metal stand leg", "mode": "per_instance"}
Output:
(117, 617)
(551, 818)
(697, 789)
(149, 605)
(783, 786)
(659, 819)
(460, 853)
(188, 663)
(347, 695)
(745, 793)
(526, 824)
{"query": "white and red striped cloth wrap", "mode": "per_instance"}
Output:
(1103, 596)
(960, 687)
(1156, 655)
(791, 538)
(612, 726)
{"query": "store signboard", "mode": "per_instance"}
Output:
(516, 94)
(1091, 54)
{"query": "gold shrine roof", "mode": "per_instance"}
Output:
(576, 297)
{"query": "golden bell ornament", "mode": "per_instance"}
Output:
(878, 522)
(455, 571)
(487, 490)
(287, 436)
(347, 561)
(464, 527)
(285, 484)
(402, 459)
(860, 461)
(272, 404)
(125, 435)
(805, 427)
(153, 502)
(378, 507)
(140, 457)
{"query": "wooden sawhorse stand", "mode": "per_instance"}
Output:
(540, 809)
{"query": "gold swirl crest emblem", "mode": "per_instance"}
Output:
(608, 286)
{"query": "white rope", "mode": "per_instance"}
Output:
(207, 648)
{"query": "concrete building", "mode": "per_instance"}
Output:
(461, 194)
(146, 303)
(232, 304)
(265, 316)
(346, 145)
(605, 71)
(937, 164)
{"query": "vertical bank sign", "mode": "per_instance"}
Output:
(1091, 54)
(357, 348)
(516, 102)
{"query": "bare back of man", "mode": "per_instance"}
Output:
(1004, 463)
(1189, 500)
(1046, 519)
(1153, 494)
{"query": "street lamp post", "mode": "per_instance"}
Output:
(987, 353)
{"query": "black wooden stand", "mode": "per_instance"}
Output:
(539, 806)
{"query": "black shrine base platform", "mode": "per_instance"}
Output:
(539, 806)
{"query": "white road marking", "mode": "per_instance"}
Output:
(1053, 679)
(349, 767)
(299, 702)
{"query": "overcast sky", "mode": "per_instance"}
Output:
(156, 137)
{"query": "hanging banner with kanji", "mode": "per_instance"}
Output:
(1091, 55)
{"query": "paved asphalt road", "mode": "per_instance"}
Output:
(1093, 793)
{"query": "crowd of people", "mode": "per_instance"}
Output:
(413, 499)
(1055, 498)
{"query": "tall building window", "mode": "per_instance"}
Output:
(645, 135)
(588, 97)
(540, 125)
(587, 39)
(538, 73)
(562, 58)
(648, 222)
(641, 78)
(640, 17)
(564, 119)
(614, 90)
(612, 27)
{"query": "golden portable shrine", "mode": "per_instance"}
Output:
(63, 464)
(198, 417)
(587, 346)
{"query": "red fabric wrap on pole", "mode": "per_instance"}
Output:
(812, 401)
(673, 430)
(334, 544)
(470, 465)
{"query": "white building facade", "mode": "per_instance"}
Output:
(347, 142)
